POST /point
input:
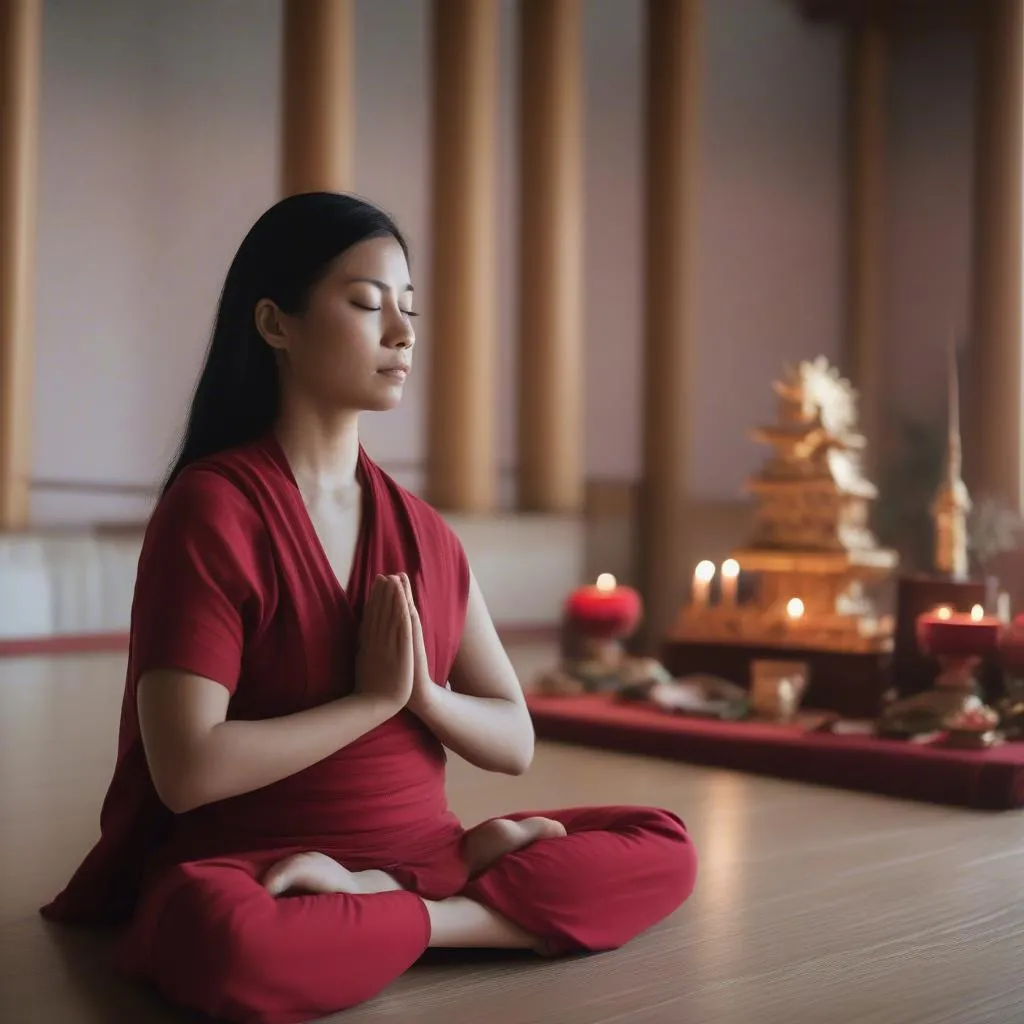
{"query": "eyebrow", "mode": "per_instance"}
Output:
(382, 285)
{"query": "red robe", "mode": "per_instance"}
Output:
(233, 585)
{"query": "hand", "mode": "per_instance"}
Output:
(384, 668)
(422, 685)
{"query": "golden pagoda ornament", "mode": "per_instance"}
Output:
(952, 503)
(813, 552)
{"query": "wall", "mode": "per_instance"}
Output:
(159, 148)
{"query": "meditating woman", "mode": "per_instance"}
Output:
(306, 640)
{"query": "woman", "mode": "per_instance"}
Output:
(307, 639)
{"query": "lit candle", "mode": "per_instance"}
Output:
(604, 609)
(702, 577)
(730, 578)
(943, 631)
(794, 609)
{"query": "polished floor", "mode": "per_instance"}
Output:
(813, 906)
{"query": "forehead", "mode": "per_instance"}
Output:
(380, 258)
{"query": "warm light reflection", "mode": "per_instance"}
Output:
(606, 582)
(795, 608)
(977, 613)
(705, 571)
(944, 612)
(730, 568)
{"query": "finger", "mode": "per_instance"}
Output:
(414, 616)
(396, 610)
(371, 613)
(407, 590)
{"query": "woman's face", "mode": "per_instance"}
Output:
(352, 347)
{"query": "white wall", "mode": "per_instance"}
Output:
(159, 148)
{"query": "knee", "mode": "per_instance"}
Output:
(208, 954)
(673, 850)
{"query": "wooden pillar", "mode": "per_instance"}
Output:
(995, 448)
(672, 118)
(20, 48)
(462, 413)
(865, 225)
(550, 385)
(318, 111)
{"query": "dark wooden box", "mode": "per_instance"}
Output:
(853, 685)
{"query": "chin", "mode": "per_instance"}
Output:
(382, 401)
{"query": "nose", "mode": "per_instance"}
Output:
(401, 335)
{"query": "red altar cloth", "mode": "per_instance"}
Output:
(985, 779)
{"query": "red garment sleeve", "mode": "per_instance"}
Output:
(197, 582)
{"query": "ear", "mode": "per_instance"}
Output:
(270, 322)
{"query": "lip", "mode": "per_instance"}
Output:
(395, 372)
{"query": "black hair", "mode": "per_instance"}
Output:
(286, 252)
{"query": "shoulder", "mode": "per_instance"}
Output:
(204, 512)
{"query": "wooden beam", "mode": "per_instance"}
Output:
(20, 45)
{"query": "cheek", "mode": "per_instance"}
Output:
(338, 343)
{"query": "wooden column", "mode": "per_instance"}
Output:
(673, 98)
(20, 47)
(461, 470)
(995, 448)
(865, 225)
(319, 105)
(550, 385)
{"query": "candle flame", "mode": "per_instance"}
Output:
(943, 612)
(730, 568)
(606, 582)
(705, 571)
(795, 608)
(977, 613)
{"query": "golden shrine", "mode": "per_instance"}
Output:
(812, 552)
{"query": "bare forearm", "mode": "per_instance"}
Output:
(489, 732)
(237, 757)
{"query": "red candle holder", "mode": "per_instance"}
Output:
(958, 641)
(604, 610)
(946, 633)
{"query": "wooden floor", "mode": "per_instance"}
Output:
(812, 907)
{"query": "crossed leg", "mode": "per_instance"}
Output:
(211, 935)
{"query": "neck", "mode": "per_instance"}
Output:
(322, 447)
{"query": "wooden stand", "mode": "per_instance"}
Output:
(854, 685)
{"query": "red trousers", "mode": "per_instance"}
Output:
(210, 937)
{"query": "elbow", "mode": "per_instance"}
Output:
(521, 758)
(519, 766)
(179, 795)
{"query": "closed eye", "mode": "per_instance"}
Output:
(377, 309)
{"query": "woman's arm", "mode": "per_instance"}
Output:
(483, 717)
(196, 756)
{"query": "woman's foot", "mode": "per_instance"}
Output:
(462, 923)
(488, 842)
(317, 873)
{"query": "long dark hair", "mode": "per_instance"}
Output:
(283, 256)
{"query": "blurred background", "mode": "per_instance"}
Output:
(160, 127)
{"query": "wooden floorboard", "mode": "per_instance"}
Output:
(813, 905)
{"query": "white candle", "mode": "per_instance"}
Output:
(730, 580)
(702, 577)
